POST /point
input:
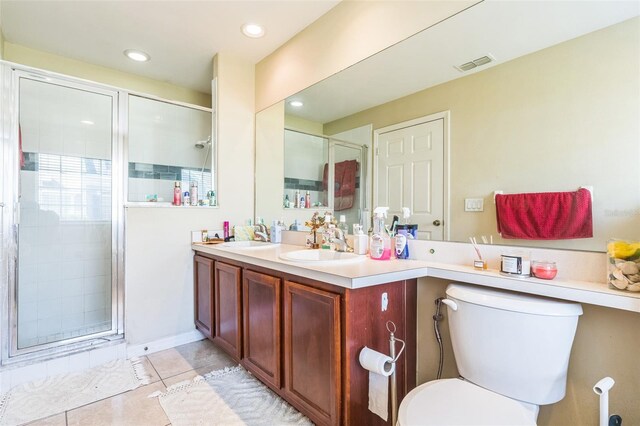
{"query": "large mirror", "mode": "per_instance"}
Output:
(550, 102)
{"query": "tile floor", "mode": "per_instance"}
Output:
(133, 407)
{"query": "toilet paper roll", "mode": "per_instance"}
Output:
(380, 367)
(376, 362)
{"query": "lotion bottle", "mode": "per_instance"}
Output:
(380, 242)
(177, 193)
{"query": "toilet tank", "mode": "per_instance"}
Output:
(512, 344)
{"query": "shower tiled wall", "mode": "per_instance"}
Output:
(162, 149)
(64, 274)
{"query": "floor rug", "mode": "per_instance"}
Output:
(231, 396)
(57, 394)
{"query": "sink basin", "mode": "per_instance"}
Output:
(328, 256)
(247, 245)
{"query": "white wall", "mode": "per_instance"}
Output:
(159, 269)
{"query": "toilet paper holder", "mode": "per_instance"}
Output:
(391, 328)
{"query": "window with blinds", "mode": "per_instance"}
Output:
(75, 188)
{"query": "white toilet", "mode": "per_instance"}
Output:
(512, 352)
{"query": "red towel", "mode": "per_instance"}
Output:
(345, 173)
(545, 215)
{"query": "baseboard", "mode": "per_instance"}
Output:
(164, 343)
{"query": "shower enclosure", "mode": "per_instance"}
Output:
(61, 218)
(316, 163)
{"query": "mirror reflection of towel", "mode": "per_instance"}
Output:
(545, 215)
(345, 183)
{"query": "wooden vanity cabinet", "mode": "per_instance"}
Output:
(228, 308)
(261, 325)
(312, 368)
(302, 337)
(203, 294)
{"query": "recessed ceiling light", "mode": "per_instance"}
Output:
(296, 104)
(137, 55)
(252, 30)
(87, 122)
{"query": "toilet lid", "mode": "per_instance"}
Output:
(457, 402)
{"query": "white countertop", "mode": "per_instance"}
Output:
(350, 274)
(367, 272)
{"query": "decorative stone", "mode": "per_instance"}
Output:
(633, 287)
(628, 268)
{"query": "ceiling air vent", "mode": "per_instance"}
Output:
(475, 63)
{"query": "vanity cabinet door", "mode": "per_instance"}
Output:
(228, 309)
(203, 294)
(312, 352)
(261, 339)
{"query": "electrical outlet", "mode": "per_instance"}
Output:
(473, 205)
(384, 303)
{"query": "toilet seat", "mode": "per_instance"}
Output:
(458, 402)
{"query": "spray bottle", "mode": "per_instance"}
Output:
(380, 242)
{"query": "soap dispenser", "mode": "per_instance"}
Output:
(360, 240)
(380, 242)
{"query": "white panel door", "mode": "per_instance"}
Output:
(410, 173)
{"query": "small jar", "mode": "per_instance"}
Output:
(544, 269)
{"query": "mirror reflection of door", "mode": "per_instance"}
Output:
(409, 170)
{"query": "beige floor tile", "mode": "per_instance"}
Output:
(151, 371)
(56, 420)
(189, 375)
(129, 408)
(189, 357)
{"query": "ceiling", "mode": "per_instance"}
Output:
(504, 29)
(181, 36)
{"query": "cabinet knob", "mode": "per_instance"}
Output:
(436, 222)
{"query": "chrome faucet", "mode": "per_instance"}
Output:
(340, 240)
(261, 232)
(261, 236)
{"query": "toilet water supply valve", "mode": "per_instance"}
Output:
(602, 388)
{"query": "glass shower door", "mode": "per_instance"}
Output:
(348, 162)
(66, 281)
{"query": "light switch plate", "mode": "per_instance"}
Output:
(473, 205)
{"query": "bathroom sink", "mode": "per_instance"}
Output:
(247, 245)
(328, 256)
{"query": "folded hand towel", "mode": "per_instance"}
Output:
(545, 215)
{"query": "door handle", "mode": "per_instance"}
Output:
(436, 222)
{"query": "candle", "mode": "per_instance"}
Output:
(544, 270)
